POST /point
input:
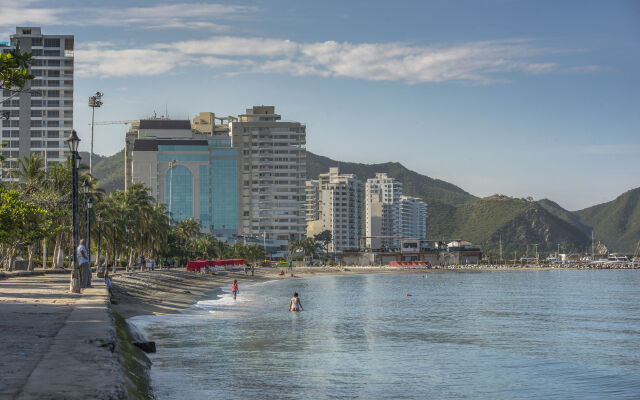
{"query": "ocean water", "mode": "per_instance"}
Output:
(477, 335)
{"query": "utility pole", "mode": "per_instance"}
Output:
(593, 257)
(537, 257)
(94, 102)
(264, 243)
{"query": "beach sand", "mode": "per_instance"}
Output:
(169, 291)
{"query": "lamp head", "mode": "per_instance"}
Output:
(85, 187)
(72, 141)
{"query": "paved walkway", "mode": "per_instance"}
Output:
(55, 344)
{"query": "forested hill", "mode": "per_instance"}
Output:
(617, 222)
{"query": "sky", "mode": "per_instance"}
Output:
(521, 98)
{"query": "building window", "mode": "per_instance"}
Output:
(52, 43)
(180, 184)
(36, 42)
(205, 184)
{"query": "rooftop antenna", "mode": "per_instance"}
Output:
(166, 111)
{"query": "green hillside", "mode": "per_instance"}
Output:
(565, 215)
(520, 223)
(616, 223)
(108, 170)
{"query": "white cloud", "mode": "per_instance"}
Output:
(476, 62)
(105, 62)
(17, 13)
(179, 15)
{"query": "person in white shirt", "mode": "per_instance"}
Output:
(83, 265)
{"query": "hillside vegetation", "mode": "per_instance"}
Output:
(616, 223)
(519, 222)
(108, 170)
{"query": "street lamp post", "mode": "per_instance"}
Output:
(88, 205)
(127, 257)
(94, 102)
(98, 250)
(72, 141)
(113, 226)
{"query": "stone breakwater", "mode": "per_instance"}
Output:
(539, 266)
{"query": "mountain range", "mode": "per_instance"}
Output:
(517, 225)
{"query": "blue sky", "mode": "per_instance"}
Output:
(523, 98)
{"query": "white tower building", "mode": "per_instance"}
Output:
(382, 212)
(40, 118)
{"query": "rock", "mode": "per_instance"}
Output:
(147, 347)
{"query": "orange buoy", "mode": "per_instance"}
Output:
(408, 294)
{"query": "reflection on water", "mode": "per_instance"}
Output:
(500, 334)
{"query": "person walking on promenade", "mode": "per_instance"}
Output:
(107, 281)
(83, 263)
(252, 268)
(234, 288)
(295, 304)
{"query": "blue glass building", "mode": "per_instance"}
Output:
(195, 178)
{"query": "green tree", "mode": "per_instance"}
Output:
(325, 238)
(21, 223)
(14, 70)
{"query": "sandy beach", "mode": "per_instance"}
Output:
(169, 291)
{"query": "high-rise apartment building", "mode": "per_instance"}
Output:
(272, 181)
(339, 209)
(382, 212)
(40, 118)
(413, 217)
(312, 202)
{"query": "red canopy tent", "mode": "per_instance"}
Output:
(198, 265)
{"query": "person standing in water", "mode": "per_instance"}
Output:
(295, 304)
(234, 288)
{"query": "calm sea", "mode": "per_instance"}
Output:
(484, 335)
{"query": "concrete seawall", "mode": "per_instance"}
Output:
(60, 345)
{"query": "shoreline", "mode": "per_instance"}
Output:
(172, 291)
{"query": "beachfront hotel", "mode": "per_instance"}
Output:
(240, 175)
(413, 217)
(382, 212)
(194, 173)
(271, 183)
(336, 201)
(40, 118)
(390, 215)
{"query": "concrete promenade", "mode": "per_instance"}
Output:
(57, 345)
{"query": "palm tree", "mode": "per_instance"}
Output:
(308, 246)
(30, 171)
